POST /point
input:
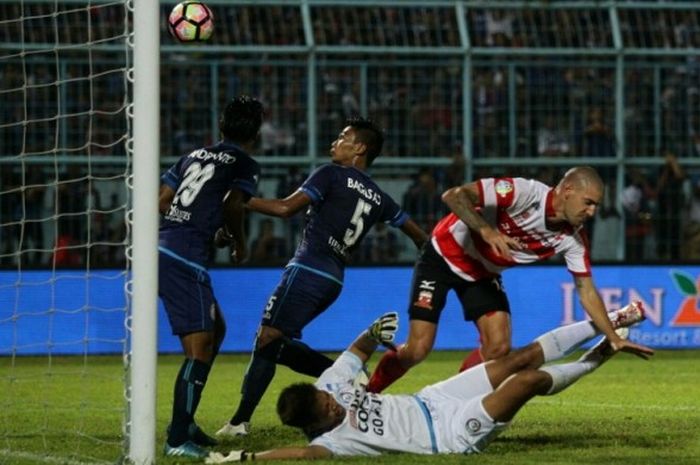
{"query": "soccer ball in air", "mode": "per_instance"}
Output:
(191, 22)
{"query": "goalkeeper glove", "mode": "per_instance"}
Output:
(383, 330)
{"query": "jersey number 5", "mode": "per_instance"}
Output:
(352, 235)
(195, 178)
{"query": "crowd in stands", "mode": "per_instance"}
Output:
(539, 107)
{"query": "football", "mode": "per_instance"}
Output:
(191, 22)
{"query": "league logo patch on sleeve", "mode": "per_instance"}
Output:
(504, 187)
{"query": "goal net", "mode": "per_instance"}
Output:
(65, 170)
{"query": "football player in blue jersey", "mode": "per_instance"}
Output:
(343, 203)
(202, 200)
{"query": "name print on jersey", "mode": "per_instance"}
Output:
(369, 194)
(366, 413)
(221, 157)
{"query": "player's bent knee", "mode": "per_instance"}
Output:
(534, 381)
(269, 351)
(413, 354)
(266, 336)
(494, 351)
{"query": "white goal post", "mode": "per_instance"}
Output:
(79, 176)
(146, 104)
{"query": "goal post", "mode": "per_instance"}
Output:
(144, 226)
(79, 167)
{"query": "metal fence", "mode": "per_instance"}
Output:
(463, 89)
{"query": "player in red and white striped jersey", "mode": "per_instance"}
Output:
(497, 223)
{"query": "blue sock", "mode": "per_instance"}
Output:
(258, 376)
(189, 384)
(302, 358)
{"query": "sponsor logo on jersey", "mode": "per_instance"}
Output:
(177, 215)
(473, 425)
(504, 187)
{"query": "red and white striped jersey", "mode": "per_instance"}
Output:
(518, 208)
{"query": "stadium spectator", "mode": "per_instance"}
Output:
(637, 199)
(422, 200)
(190, 199)
(344, 203)
(670, 201)
(598, 140)
(379, 247)
(552, 141)
(460, 415)
(497, 223)
(268, 249)
(691, 232)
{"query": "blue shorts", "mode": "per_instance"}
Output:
(186, 294)
(301, 296)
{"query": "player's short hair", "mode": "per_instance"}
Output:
(368, 133)
(584, 176)
(241, 119)
(296, 406)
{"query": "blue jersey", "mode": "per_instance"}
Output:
(201, 180)
(346, 203)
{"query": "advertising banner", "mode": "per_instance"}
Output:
(68, 313)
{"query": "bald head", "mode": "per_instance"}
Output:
(583, 177)
(578, 194)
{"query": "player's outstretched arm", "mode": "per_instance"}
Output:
(381, 331)
(165, 198)
(417, 235)
(594, 306)
(308, 452)
(283, 208)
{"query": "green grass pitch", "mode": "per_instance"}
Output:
(69, 411)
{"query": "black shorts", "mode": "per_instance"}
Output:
(433, 278)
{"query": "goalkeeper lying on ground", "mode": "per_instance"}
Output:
(459, 415)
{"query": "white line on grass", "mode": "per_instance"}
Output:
(43, 458)
(670, 408)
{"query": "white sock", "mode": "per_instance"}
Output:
(559, 342)
(565, 374)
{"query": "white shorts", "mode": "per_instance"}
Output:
(460, 422)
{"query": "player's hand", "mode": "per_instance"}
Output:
(624, 345)
(233, 456)
(383, 330)
(500, 244)
(223, 238)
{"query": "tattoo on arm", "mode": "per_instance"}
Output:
(463, 207)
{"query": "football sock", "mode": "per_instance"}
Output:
(473, 359)
(189, 384)
(302, 358)
(561, 341)
(565, 374)
(388, 370)
(258, 376)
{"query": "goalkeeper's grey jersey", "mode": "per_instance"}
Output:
(373, 423)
